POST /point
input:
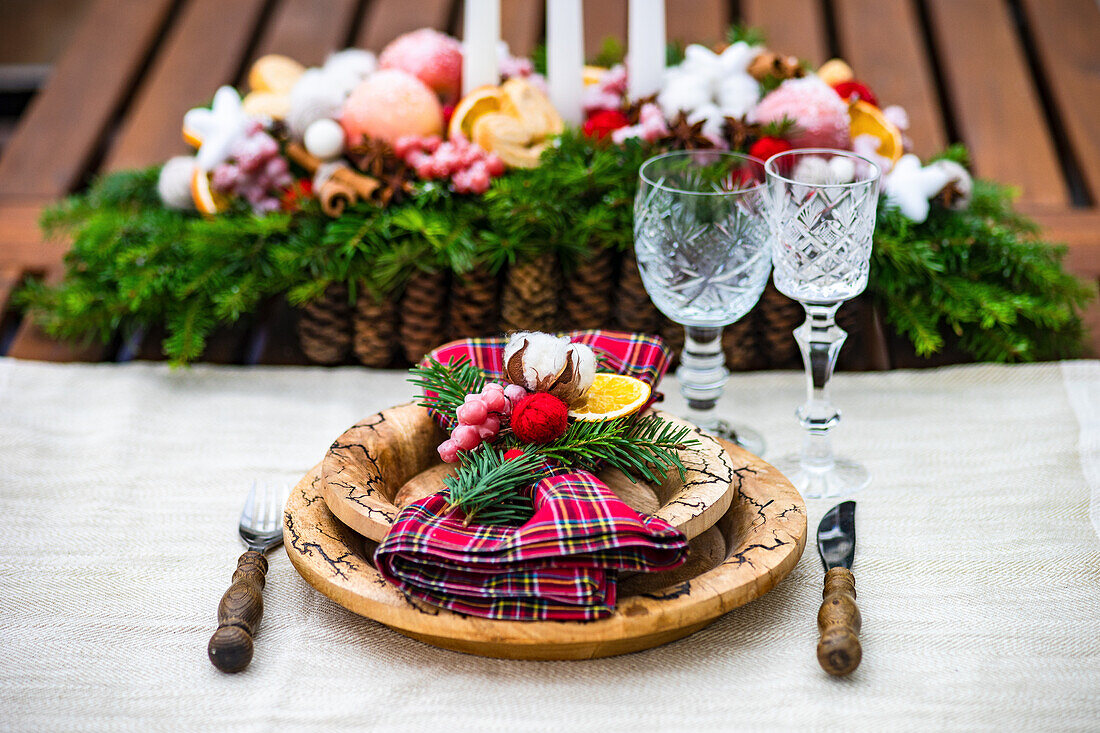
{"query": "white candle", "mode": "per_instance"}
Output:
(480, 36)
(645, 47)
(565, 57)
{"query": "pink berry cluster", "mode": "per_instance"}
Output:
(470, 167)
(254, 171)
(479, 418)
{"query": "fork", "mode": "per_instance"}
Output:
(242, 606)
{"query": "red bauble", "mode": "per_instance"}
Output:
(766, 147)
(539, 418)
(512, 453)
(855, 89)
(603, 123)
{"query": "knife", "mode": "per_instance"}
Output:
(838, 620)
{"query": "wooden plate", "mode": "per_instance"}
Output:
(753, 546)
(389, 460)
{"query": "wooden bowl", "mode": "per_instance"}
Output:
(756, 542)
(389, 460)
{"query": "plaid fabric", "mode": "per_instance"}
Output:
(636, 355)
(561, 565)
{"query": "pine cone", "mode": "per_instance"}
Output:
(529, 300)
(741, 345)
(474, 305)
(423, 314)
(324, 326)
(374, 329)
(779, 317)
(633, 309)
(587, 300)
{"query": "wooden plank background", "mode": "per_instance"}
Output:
(1018, 81)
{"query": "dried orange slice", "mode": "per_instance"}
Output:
(834, 71)
(867, 119)
(506, 136)
(274, 73)
(592, 74)
(274, 105)
(526, 102)
(192, 137)
(480, 101)
(206, 200)
(611, 396)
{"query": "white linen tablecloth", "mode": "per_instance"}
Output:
(977, 567)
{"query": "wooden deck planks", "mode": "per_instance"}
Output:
(1067, 37)
(794, 27)
(306, 30)
(205, 48)
(883, 42)
(387, 19)
(697, 21)
(60, 132)
(998, 114)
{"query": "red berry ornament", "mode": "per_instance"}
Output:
(539, 418)
(512, 454)
(603, 123)
(766, 147)
(850, 90)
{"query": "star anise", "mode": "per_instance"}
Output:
(739, 131)
(374, 157)
(633, 110)
(395, 186)
(684, 135)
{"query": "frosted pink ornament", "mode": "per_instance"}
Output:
(433, 57)
(448, 451)
(473, 412)
(389, 105)
(494, 398)
(515, 393)
(819, 112)
(466, 437)
(489, 428)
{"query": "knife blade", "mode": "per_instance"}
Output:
(838, 620)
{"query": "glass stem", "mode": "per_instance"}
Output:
(702, 374)
(819, 339)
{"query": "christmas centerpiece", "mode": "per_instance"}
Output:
(443, 190)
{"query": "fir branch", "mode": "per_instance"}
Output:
(445, 386)
(490, 490)
(641, 447)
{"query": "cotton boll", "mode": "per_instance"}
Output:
(174, 183)
(324, 139)
(316, 96)
(712, 119)
(585, 363)
(701, 61)
(959, 181)
(349, 67)
(841, 170)
(812, 170)
(738, 94)
(737, 57)
(683, 93)
(543, 357)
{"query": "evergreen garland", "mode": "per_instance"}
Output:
(980, 278)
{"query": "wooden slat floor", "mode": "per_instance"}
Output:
(1018, 81)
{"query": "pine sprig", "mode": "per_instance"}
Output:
(490, 490)
(445, 386)
(646, 447)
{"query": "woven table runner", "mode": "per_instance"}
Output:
(977, 567)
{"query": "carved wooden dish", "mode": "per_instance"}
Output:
(755, 543)
(389, 460)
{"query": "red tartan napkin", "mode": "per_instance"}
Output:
(562, 564)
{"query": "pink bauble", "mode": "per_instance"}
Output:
(432, 57)
(473, 412)
(466, 437)
(821, 115)
(489, 428)
(390, 105)
(448, 451)
(494, 398)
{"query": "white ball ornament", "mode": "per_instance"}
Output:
(324, 139)
(174, 183)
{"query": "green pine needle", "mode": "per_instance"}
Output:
(450, 383)
(490, 490)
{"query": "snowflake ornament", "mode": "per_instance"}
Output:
(910, 187)
(219, 128)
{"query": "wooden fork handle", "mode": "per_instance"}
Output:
(239, 613)
(839, 621)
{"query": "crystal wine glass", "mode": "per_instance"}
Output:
(821, 208)
(702, 244)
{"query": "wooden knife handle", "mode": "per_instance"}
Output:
(239, 613)
(838, 650)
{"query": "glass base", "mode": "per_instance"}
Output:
(743, 436)
(845, 478)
